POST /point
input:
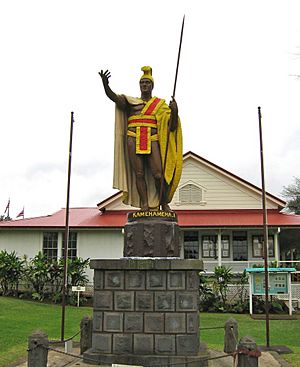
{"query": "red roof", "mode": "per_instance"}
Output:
(93, 218)
(235, 218)
(79, 217)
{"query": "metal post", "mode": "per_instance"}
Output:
(65, 285)
(265, 227)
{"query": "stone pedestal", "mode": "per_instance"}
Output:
(146, 312)
(151, 234)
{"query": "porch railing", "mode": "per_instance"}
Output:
(239, 266)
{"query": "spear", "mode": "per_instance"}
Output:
(178, 58)
(173, 97)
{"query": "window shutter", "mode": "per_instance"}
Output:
(190, 194)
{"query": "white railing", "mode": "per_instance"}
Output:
(234, 290)
(239, 266)
(289, 263)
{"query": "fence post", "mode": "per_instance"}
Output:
(38, 349)
(248, 353)
(231, 335)
(86, 327)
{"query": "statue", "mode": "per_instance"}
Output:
(148, 146)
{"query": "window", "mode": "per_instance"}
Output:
(258, 246)
(190, 194)
(72, 245)
(210, 246)
(239, 246)
(225, 246)
(191, 245)
(50, 240)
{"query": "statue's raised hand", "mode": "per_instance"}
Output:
(105, 76)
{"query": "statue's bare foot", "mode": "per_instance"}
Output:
(145, 208)
(166, 208)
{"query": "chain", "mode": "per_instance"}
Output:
(33, 348)
(66, 340)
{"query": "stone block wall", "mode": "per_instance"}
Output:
(146, 307)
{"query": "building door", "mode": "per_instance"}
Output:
(239, 246)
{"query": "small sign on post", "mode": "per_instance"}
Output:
(78, 289)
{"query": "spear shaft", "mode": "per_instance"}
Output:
(178, 57)
(173, 96)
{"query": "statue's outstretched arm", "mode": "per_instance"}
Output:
(118, 99)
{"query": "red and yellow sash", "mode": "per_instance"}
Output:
(143, 124)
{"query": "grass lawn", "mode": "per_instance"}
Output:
(282, 332)
(19, 318)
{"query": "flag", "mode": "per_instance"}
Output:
(7, 207)
(21, 214)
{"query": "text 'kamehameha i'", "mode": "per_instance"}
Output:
(152, 215)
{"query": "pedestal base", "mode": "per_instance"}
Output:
(148, 360)
(151, 234)
(146, 312)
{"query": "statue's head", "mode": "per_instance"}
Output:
(146, 81)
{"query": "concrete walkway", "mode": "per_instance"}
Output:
(268, 359)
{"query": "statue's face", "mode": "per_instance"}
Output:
(146, 85)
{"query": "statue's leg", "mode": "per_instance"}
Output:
(157, 172)
(137, 164)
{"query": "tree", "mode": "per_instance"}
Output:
(292, 194)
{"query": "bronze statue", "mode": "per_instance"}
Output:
(148, 146)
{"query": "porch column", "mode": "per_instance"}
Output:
(289, 275)
(276, 246)
(219, 248)
(250, 293)
(59, 245)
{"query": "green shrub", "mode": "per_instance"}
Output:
(11, 271)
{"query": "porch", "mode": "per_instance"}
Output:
(241, 248)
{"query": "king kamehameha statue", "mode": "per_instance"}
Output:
(146, 304)
(148, 146)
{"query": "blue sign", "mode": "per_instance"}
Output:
(278, 283)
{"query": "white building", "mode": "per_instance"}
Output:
(219, 213)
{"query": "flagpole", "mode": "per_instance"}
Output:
(7, 209)
(265, 229)
(66, 237)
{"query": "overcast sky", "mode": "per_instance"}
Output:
(236, 55)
